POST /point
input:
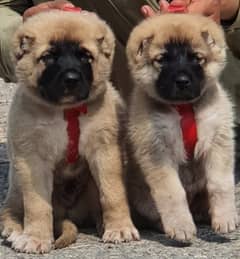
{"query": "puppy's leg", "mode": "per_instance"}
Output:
(220, 187)
(171, 202)
(35, 179)
(11, 224)
(106, 167)
(11, 214)
(68, 235)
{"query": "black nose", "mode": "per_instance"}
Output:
(182, 82)
(71, 78)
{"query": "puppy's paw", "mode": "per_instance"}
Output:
(14, 236)
(30, 244)
(62, 242)
(225, 223)
(181, 230)
(9, 228)
(120, 234)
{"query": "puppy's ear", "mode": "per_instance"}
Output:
(137, 47)
(144, 44)
(106, 44)
(23, 45)
(102, 45)
(208, 38)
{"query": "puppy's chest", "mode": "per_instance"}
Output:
(207, 126)
(70, 180)
(58, 141)
(171, 133)
(192, 175)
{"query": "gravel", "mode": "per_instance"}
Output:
(152, 246)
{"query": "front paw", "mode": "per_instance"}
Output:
(26, 243)
(11, 230)
(225, 223)
(180, 229)
(120, 233)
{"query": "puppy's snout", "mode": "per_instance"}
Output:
(183, 82)
(71, 79)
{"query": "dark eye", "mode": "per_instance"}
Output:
(84, 56)
(158, 60)
(85, 59)
(48, 58)
(202, 60)
(198, 59)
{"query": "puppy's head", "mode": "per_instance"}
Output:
(63, 58)
(176, 57)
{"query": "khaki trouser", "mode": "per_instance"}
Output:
(9, 20)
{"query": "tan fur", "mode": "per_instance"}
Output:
(162, 183)
(37, 141)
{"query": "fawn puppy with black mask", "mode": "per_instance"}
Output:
(175, 62)
(62, 174)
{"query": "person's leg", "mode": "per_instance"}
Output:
(10, 20)
(230, 80)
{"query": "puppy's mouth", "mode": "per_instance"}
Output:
(71, 99)
(174, 95)
(182, 88)
(66, 88)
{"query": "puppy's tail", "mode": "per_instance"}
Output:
(68, 235)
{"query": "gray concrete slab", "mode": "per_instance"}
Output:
(88, 246)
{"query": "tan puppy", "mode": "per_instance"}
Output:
(63, 60)
(176, 59)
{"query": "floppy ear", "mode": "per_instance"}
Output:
(208, 38)
(137, 47)
(102, 45)
(106, 44)
(144, 44)
(23, 45)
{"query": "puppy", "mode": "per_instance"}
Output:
(63, 61)
(176, 59)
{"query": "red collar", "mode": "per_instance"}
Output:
(177, 8)
(72, 117)
(71, 9)
(188, 127)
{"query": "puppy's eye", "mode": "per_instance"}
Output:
(158, 61)
(86, 59)
(199, 59)
(84, 56)
(202, 60)
(48, 58)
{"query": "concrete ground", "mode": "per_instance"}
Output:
(153, 245)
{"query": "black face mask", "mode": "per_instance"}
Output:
(182, 77)
(68, 72)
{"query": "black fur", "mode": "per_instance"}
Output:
(182, 77)
(68, 72)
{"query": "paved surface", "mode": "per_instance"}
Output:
(152, 246)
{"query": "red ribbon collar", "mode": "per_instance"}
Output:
(189, 128)
(72, 117)
(71, 9)
(176, 8)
